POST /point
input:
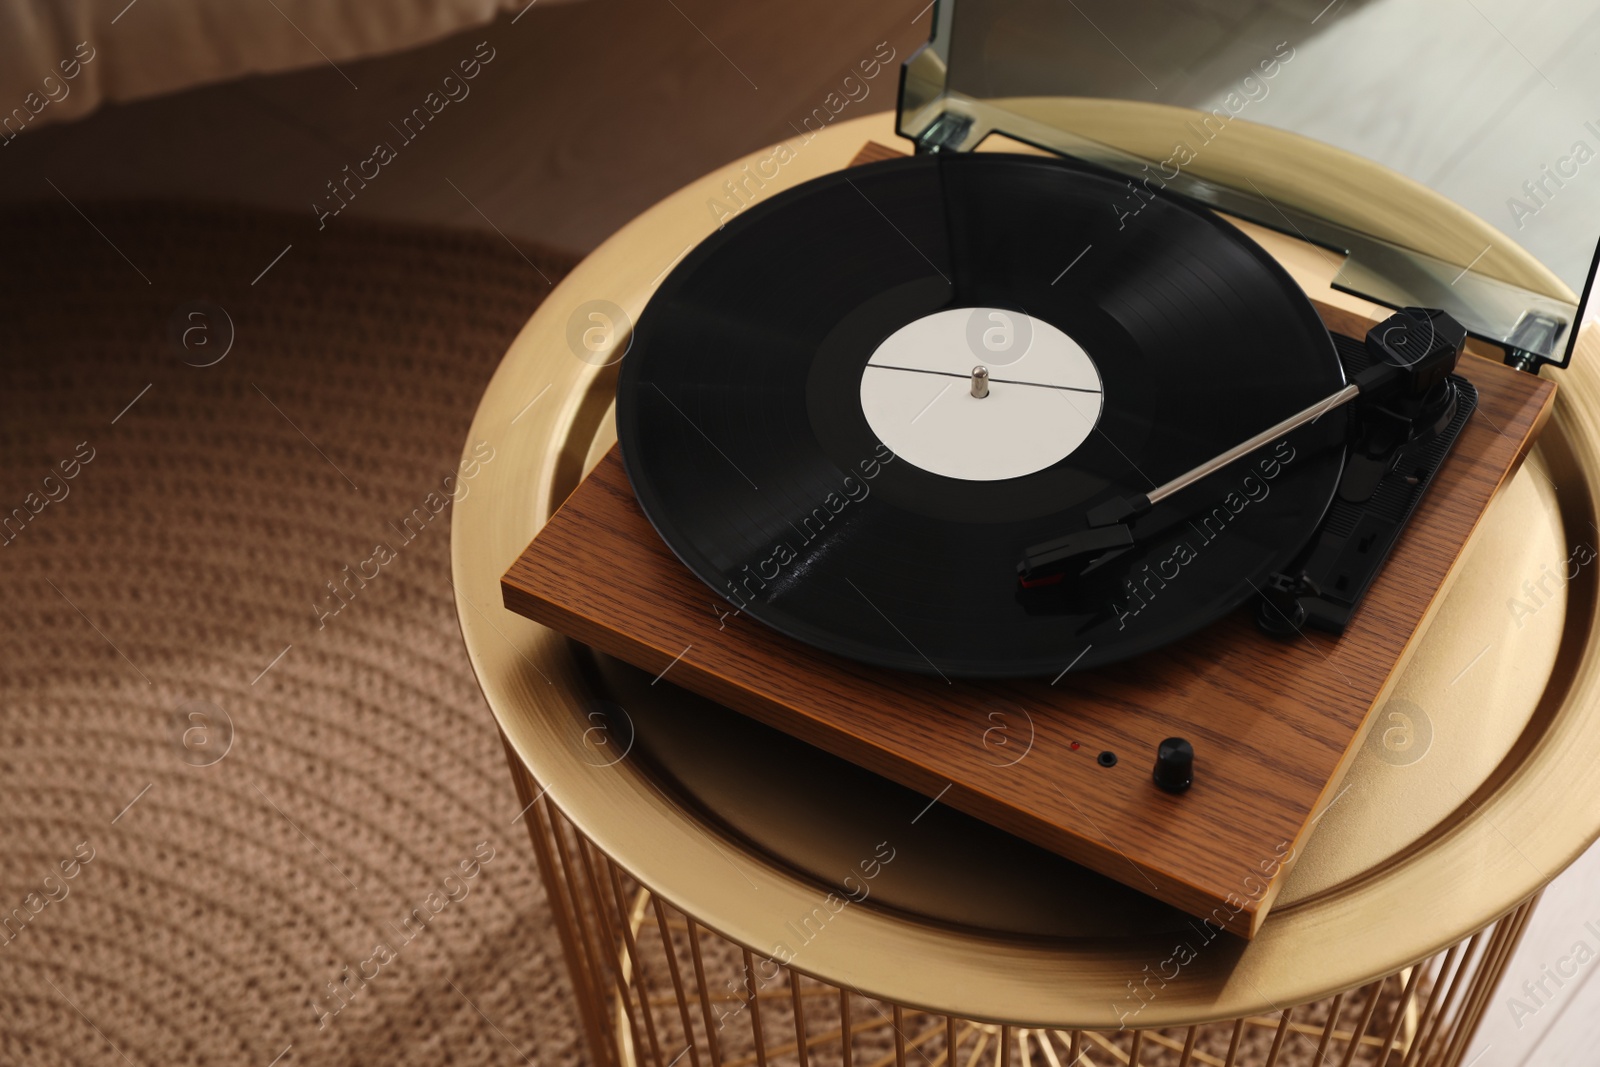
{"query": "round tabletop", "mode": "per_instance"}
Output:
(1473, 789)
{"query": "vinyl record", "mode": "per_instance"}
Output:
(798, 419)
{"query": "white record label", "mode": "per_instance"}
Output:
(1044, 394)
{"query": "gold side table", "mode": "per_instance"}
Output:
(726, 896)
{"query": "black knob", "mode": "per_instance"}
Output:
(1174, 765)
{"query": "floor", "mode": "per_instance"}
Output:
(599, 109)
(1557, 1025)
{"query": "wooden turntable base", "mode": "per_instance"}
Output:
(1274, 723)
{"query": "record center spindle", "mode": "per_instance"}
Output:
(980, 382)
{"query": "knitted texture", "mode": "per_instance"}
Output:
(239, 758)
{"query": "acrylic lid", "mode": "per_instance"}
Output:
(1489, 104)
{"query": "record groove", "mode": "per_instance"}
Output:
(742, 423)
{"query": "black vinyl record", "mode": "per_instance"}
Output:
(754, 430)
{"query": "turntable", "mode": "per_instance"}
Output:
(956, 440)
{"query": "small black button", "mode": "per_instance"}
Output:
(1174, 765)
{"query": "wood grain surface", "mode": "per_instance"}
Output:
(1273, 723)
